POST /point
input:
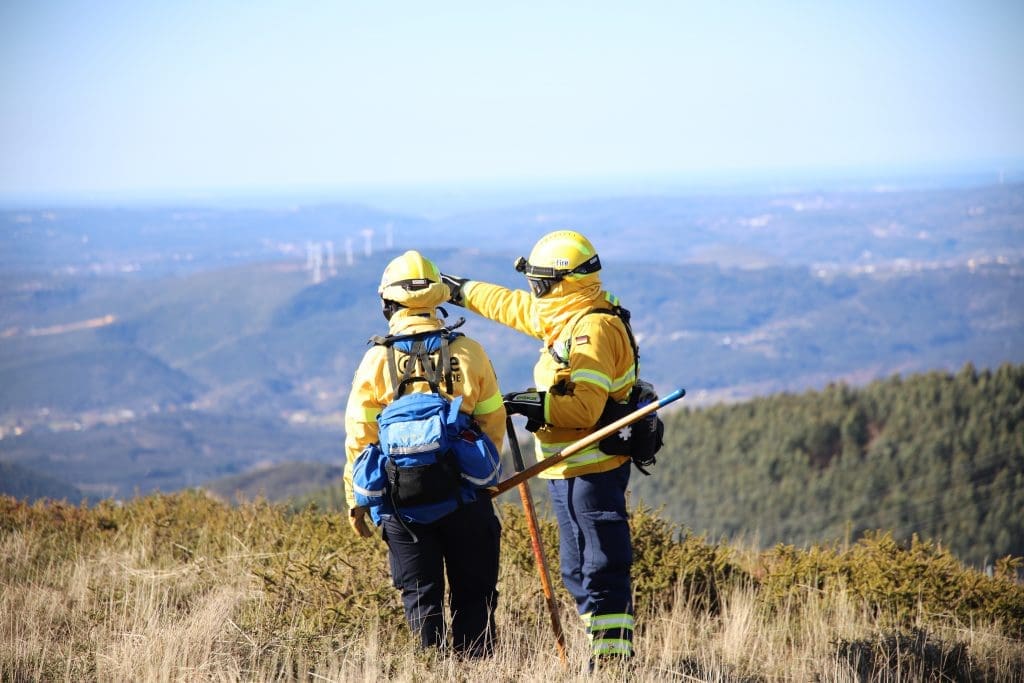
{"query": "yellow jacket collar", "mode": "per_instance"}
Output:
(413, 321)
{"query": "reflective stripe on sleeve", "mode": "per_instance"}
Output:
(369, 415)
(488, 406)
(598, 379)
(626, 380)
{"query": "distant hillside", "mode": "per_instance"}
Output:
(277, 483)
(936, 454)
(24, 484)
(88, 380)
(218, 307)
(262, 340)
(167, 452)
(115, 324)
(260, 346)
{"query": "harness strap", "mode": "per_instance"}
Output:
(419, 355)
(446, 365)
(623, 315)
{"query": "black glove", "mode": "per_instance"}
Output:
(529, 403)
(455, 287)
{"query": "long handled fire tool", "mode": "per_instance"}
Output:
(535, 541)
(577, 446)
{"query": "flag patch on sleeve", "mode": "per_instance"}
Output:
(581, 340)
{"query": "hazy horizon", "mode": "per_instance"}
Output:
(436, 199)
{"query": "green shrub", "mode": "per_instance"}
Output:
(898, 580)
(669, 561)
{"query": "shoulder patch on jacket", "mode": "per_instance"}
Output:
(581, 340)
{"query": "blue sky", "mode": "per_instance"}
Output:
(122, 97)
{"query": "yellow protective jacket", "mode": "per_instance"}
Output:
(595, 361)
(472, 377)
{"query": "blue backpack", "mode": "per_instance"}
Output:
(431, 457)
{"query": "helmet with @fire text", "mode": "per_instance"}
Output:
(411, 281)
(556, 256)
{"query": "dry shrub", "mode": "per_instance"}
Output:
(916, 653)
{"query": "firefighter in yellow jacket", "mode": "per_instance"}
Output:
(586, 361)
(464, 541)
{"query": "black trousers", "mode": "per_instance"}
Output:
(464, 545)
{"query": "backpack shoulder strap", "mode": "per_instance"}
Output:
(446, 361)
(447, 334)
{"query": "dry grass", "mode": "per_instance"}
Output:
(127, 599)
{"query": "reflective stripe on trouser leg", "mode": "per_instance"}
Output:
(611, 634)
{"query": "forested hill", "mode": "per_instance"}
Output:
(935, 454)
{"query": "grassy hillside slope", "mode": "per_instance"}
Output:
(184, 587)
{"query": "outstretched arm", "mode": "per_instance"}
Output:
(511, 307)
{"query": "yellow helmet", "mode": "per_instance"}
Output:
(555, 256)
(412, 280)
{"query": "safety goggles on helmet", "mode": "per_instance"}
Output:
(542, 278)
(412, 284)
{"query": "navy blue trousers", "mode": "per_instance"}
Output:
(596, 554)
(464, 545)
